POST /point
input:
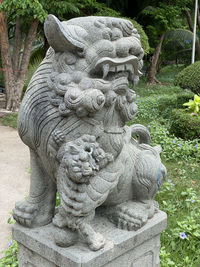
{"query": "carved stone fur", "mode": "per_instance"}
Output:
(73, 119)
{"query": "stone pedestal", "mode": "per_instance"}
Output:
(123, 248)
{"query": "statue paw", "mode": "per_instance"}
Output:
(25, 212)
(96, 241)
(59, 221)
(132, 215)
(65, 237)
(130, 219)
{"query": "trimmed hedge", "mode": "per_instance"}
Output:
(189, 78)
(169, 102)
(184, 125)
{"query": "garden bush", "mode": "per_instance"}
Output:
(184, 125)
(173, 148)
(189, 78)
(169, 102)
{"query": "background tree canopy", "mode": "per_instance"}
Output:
(21, 32)
(165, 28)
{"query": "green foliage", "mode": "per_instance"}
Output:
(164, 15)
(38, 9)
(57, 199)
(159, 17)
(61, 8)
(184, 125)
(174, 148)
(167, 73)
(155, 105)
(15, 8)
(169, 102)
(181, 238)
(194, 105)
(10, 255)
(177, 45)
(189, 78)
(9, 120)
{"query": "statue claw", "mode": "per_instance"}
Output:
(25, 212)
(132, 215)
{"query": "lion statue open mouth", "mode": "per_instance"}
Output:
(73, 119)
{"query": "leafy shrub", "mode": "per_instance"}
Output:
(10, 257)
(169, 102)
(10, 254)
(189, 78)
(167, 73)
(184, 97)
(173, 148)
(184, 125)
(156, 105)
(193, 105)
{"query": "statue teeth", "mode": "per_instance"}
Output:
(105, 70)
(140, 73)
(120, 68)
(112, 69)
(129, 67)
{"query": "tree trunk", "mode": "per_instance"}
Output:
(190, 24)
(16, 46)
(189, 20)
(26, 56)
(198, 18)
(6, 61)
(151, 79)
(14, 71)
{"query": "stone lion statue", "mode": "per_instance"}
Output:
(73, 119)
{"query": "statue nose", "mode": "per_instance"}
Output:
(123, 49)
(128, 46)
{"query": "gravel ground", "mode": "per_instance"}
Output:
(14, 178)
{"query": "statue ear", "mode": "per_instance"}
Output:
(63, 38)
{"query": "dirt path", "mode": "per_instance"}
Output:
(14, 178)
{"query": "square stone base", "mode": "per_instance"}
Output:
(123, 248)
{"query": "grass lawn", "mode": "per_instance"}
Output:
(9, 120)
(179, 196)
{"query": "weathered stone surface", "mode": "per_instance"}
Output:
(123, 248)
(73, 118)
